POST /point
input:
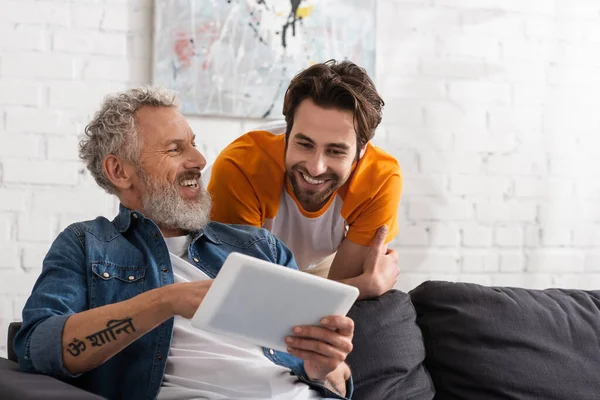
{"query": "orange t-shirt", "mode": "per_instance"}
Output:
(248, 185)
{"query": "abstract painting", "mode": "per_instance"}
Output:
(236, 57)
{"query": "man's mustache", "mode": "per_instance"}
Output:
(324, 176)
(187, 175)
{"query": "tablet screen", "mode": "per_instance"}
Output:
(257, 319)
(262, 302)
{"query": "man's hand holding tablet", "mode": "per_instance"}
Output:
(280, 308)
(324, 349)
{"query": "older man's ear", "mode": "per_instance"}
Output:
(118, 172)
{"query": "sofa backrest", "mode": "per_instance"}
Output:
(388, 354)
(509, 343)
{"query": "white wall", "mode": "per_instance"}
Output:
(492, 111)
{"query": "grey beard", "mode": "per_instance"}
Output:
(163, 204)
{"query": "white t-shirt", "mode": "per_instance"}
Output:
(202, 365)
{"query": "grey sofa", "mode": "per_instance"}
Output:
(16, 385)
(510, 343)
(448, 341)
(378, 372)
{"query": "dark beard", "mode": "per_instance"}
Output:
(312, 199)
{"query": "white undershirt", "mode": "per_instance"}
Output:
(202, 365)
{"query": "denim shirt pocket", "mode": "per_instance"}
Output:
(112, 283)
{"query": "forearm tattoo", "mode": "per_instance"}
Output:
(113, 328)
(76, 347)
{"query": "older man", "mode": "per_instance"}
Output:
(110, 311)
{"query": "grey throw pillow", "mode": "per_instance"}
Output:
(387, 359)
(508, 343)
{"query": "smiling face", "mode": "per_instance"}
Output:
(320, 152)
(168, 175)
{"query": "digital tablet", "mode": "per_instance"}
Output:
(260, 302)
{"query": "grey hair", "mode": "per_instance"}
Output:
(113, 129)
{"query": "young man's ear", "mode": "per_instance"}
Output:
(118, 172)
(362, 151)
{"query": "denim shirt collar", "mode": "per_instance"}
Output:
(123, 222)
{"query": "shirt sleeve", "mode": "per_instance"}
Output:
(59, 292)
(380, 210)
(234, 199)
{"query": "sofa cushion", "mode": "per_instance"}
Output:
(16, 385)
(509, 343)
(387, 359)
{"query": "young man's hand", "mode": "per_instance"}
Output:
(324, 349)
(381, 266)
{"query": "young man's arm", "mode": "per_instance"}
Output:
(362, 262)
(373, 270)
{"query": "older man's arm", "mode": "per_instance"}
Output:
(94, 336)
(337, 380)
(62, 336)
(324, 350)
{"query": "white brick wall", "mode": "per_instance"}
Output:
(491, 108)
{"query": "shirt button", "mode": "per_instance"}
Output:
(196, 260)
(165, 270)
(106, 274)
(155, 234)
(131, 277)
(271, 351)
(159, 358)
(134, 215)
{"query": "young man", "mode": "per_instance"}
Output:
(110, 311)
(316, 182)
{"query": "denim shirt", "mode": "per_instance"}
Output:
(100, 262)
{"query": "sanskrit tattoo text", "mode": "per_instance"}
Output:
(114, 328)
